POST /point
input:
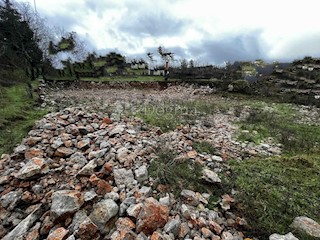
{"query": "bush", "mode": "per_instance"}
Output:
(241, 86)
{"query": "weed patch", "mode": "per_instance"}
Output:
(177, 174)
(205, 147)
(296, 138)
(158, 116)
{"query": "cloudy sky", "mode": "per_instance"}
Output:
(208, 31)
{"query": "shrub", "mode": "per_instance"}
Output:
(241, 86)
(177, 174)
(204, 147)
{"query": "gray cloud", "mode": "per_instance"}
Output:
(246, 46)
(133, 23)
(99, 7)
(152, 23)
(305, 45)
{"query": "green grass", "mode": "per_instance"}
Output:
(66, 78)
(200, 106)
(99, 63)
(273, 191)
(176, 174)
(111, 69)
(296, 138)
(160, 116)
(17, 116)
(204, 147)
(169, 114)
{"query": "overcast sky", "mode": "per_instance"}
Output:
(208, 31)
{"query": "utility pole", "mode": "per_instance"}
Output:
(35, 6)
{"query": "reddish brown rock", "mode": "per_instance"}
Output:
(226, 201)
(33, 167)
(68, 143)
(215, 227)
(156, 236)
(206, 232)
(201, 222)
(65, 136)
(33, 141)
(84, 144)
(152, 216)
(87, 230)
(106, 120)
(125, 224)
(103, 187)
(58, 234)
(46, 226)
(33, 234)
(94, 179)
(231, 222)
(62, 122)
(163, 188)
(33, 152)
(192, 154)
(63, 152)
(124, 235)
(219, 238)
(184, 230)
(4, 179)
(27, 197)
(107, 168)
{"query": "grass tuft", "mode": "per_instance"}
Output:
(205, 147)
(177, 174)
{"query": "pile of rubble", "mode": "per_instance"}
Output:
(82, 175)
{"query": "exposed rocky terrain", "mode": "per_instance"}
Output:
(83, 171)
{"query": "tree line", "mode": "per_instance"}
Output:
(30, 48)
